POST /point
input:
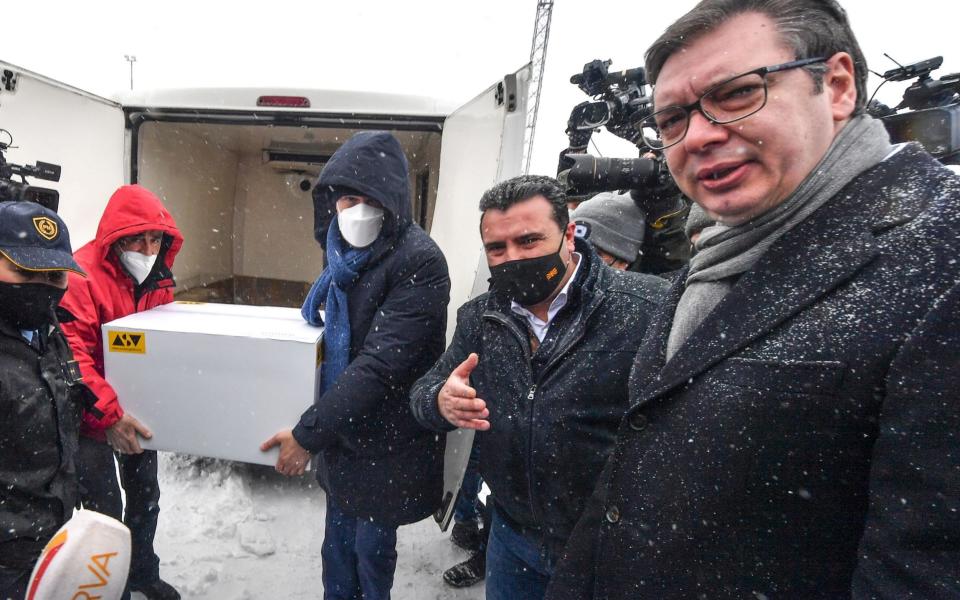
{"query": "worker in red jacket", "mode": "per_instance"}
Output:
(128, 267)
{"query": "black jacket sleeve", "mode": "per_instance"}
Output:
(423, 396)
(393, 353)
(911, 541)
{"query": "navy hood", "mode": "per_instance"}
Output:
(372, 163)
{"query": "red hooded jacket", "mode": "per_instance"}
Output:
(109, 292)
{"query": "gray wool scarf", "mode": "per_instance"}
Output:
(724, 252)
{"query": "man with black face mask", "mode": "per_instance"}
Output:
(40, 390)
(538, 365)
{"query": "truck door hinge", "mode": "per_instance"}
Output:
(8, 79)
(507, 92)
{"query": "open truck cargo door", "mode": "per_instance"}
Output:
(237, 177)
(482, 144)
(82, 132)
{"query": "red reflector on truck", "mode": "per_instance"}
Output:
(284, 101)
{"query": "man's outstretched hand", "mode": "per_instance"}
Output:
(458, 402)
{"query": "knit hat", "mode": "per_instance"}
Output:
(613, 223)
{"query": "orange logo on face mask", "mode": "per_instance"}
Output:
(46, 227)
(552, 273)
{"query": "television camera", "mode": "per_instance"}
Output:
(620, 100)
(13, 191)
(931, 109)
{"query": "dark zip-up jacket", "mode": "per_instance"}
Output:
(553, 413)
(40, 404)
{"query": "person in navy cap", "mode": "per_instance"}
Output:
(41, 392)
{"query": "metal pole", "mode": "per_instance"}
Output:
(538, 61)
(130, 59)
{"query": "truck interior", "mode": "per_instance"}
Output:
(241, 195)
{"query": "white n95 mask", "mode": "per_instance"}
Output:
(360, 224)
(138, 265)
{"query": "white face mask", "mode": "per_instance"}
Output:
(360, 224)
(138, 265)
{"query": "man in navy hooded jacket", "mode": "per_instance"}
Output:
(384, 295)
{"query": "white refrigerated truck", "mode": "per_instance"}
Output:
(234, 167)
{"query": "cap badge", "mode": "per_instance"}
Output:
(46, 227)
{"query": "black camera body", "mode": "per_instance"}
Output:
(933, 110)
(621, 100)
(15, 191)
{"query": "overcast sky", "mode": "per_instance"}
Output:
(452, 49)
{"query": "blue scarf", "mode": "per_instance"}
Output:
(344, 263)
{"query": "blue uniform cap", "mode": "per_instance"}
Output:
(35, 238)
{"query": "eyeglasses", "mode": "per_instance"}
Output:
(734, 99)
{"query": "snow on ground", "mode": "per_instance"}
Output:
(234, 531)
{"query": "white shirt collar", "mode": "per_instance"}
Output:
(539, 326)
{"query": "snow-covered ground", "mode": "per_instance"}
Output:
(233, 531)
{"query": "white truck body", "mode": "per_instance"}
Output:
(230, 172)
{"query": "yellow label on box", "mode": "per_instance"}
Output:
(133, 342)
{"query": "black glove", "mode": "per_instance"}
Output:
(659, 201)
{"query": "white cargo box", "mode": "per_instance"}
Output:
(213, 380)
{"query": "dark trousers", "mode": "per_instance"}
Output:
(13, 583)
(468, 506)
(518, 568)
(100, 491)
(359, 557)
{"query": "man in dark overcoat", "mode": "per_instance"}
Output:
(794, 426)
(382, 299)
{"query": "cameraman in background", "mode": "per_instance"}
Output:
(614, 225)
(40, 390)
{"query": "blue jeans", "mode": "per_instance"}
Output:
(518, 567)
(359, 557)
(467, 507)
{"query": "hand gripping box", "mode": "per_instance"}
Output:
(213, 380)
